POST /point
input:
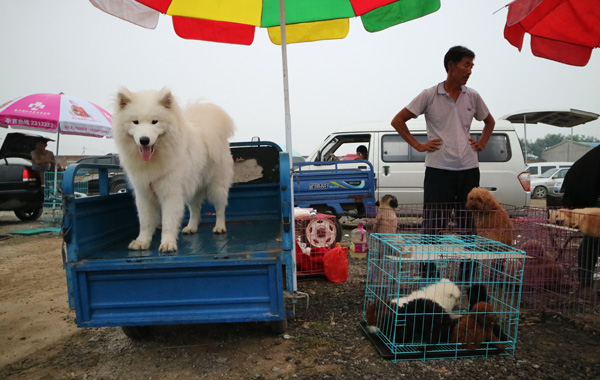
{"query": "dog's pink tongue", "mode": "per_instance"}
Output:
(146, 152)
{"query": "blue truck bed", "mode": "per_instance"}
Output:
(239, 276)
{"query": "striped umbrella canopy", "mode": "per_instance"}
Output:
(287, 21)
(235, 21)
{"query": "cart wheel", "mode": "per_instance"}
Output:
(279, 327)
(137, 332)
(339, 233)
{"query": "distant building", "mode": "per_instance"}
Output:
(567, 150)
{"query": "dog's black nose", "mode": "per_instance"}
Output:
(144, 140)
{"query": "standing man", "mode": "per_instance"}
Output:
(451, 164)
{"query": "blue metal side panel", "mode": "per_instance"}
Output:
(333, 185)
(122, 293)
(287, 216)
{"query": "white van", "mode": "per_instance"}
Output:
(400, 169)
(536, 169)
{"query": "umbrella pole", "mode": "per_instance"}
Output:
(288, 127)
(525, 134)
(286, 91)
(55, 173)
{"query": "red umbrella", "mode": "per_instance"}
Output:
(565, 31)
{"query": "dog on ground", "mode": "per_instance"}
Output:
(587, 220)
(386, 221)
(423, 315)
(491, 220)
(173, 156)
(480, 325)
(444, 295)
(541, 269)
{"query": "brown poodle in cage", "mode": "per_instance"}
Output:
(491, 220)
(386, 221)
(479, 326)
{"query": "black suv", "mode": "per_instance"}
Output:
(117, 180)
(20, 188)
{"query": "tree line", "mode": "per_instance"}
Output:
(539, 145)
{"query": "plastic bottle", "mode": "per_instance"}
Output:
(346, 242)
(359, 246)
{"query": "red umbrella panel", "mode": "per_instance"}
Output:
(235, 21)
(565, 31)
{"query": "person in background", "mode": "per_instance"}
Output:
(581, 188)
(451, 163)
(362, 152)
(42, 159)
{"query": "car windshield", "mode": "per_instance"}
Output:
(548, 173)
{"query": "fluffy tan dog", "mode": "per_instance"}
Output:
(587, 220)
(386, 221)
(491, 220)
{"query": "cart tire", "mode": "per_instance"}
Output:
(137, 332)
(339, 232)
(279, 327)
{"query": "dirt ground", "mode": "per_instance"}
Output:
(39, 339)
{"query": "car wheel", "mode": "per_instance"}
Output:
(118, 188)
(29, 215)
(539, 192)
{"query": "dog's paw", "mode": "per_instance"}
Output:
(138, 245)
(219, 230)
(167, 246)
(189, 230)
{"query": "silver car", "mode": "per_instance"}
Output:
(541, 185)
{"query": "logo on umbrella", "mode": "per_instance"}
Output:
(36, 106)
(77, 110)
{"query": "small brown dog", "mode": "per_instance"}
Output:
(587, 220)
(479, 326)
(386, 221)
(541, 269)
(491, 220)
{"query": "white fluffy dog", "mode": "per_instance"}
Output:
(173, 156)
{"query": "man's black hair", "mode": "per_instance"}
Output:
(456, 54)
(362, 149)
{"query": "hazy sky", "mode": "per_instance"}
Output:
(70, 46)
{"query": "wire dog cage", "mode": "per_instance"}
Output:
(442, 296)
(559, 275)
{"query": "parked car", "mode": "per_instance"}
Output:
(536, 169)
(400, 169)
(543, 184)
(117, 180)
(21, 190)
